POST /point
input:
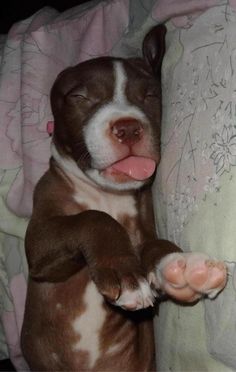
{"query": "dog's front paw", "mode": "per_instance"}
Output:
(140, 297)
(126, 289)
(189, 276)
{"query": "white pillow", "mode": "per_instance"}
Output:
(195, 189)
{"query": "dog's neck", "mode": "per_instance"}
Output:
(88, 195)
(72, 172)
(70, 168)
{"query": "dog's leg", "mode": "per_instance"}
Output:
(60, 246)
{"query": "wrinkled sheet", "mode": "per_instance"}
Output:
(31, 55)
(194, 192)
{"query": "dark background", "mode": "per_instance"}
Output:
(12, 11)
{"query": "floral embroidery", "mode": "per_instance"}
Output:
(224, 150)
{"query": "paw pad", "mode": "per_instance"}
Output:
(189, 276)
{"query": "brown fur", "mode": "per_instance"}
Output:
(68, 244)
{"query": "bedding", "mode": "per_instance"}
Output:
(195, 187)
(193, 191)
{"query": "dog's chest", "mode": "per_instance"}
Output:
(122, 208)
(115, 205)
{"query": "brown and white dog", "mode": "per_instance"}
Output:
(91, 244)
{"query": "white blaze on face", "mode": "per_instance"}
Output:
(102, 149)
(97, 141)
(120, 85)
(89, 324)
(98, 144)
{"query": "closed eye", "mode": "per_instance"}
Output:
(78, 93)
(152, 92)
(150, 96)
(78, 97)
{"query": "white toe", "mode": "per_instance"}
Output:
(139, 298)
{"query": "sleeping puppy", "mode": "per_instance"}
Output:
(95, 263)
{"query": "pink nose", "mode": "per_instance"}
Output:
(127, 131)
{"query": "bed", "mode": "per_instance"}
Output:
(194, 191)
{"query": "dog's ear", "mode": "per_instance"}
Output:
(154, 48)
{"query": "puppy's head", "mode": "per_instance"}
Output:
(107, 115)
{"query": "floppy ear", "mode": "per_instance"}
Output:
(154, 48)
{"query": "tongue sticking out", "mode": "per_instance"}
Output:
(136, 167)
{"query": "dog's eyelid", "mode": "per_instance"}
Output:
(79, 93)
(152, 93)
(77, 97)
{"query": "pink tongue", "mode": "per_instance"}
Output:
(136, 167)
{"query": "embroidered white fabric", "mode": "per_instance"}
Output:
(194, 192)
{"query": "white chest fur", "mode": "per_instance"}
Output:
(115, 205)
